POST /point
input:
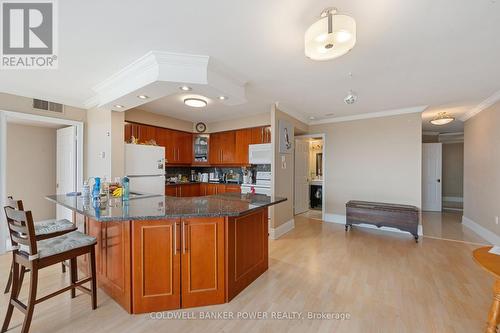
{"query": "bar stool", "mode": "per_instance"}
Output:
(33, 254)
(43, 230)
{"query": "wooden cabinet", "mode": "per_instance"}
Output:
(202, 262)
(113, 259)
(230, 188)
(143, 133)
(184, 190)
(171, 190)
(156, 282)
(243, 139)
(178, 145)
(248, 257)
(223, 148)
(261, 135)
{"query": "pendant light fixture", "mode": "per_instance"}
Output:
(332, 36)
(442, 118)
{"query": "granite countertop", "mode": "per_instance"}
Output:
(154, 207)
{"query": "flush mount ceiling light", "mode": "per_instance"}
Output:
(442, 118)
(143, 96)
(195, 102)
(185, 88)
(332, 36)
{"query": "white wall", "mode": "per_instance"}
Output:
(31, 167)
(377, 159)
(482, 170)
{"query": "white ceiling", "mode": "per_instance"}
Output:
(438, 53)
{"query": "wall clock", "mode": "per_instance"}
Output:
(201, 127)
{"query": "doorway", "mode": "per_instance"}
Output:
(442, 187)
(309, 177)
(39, 156)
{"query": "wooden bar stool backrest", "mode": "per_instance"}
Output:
(22, 230)
(16, 204)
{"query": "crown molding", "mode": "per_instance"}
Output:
(292, 113)
(159, 74)
(369, 115)
(481, 106)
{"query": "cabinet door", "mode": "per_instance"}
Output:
(203, 189)
(146, 133)
(243, 139)
(156, 263)
(215, 151)
(211, 189)
(202, 262)
(232, 189)
(171, 190)
(221, 188)
(184, 148)
(167, 139)
(128, 132)
(228, 146)
(267, 134)
(113, 259)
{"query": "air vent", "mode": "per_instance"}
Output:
(47, 106)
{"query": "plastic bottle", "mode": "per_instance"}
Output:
(97, 188)
(126, 189)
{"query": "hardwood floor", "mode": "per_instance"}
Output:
(384, 280)
(448, 225)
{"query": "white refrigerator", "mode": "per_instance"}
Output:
(145, 167)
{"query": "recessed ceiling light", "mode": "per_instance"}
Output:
(195, 102)
(185, 88)
(119, 106)
(312, 117)
(222, 98)
(143, 96)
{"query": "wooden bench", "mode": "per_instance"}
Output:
(402, 217)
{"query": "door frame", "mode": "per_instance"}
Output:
(323, 164)
(5, 116)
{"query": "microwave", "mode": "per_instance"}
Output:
(260, 154)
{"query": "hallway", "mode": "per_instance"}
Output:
(448, 226)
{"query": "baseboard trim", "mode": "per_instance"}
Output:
(453, 199)
(341, 219)
(275, 233)
(488, 235)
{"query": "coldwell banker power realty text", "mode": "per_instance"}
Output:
(29, 39)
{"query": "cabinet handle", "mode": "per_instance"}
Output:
(184, 244)
(262, 135)
(175, 239)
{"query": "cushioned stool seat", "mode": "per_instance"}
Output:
(63, 243)
(52, 226)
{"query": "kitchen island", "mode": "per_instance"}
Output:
(157, 253)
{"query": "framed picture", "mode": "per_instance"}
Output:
(285, 137)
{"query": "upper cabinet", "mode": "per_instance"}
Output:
(142, 133)
(261, 135)
(178, 144)
(223, 148)
(182, 148)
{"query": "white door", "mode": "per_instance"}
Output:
(431, 176)
(301, 198)
(66, 167)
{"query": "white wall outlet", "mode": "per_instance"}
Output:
(102, 154)
(496, 219)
